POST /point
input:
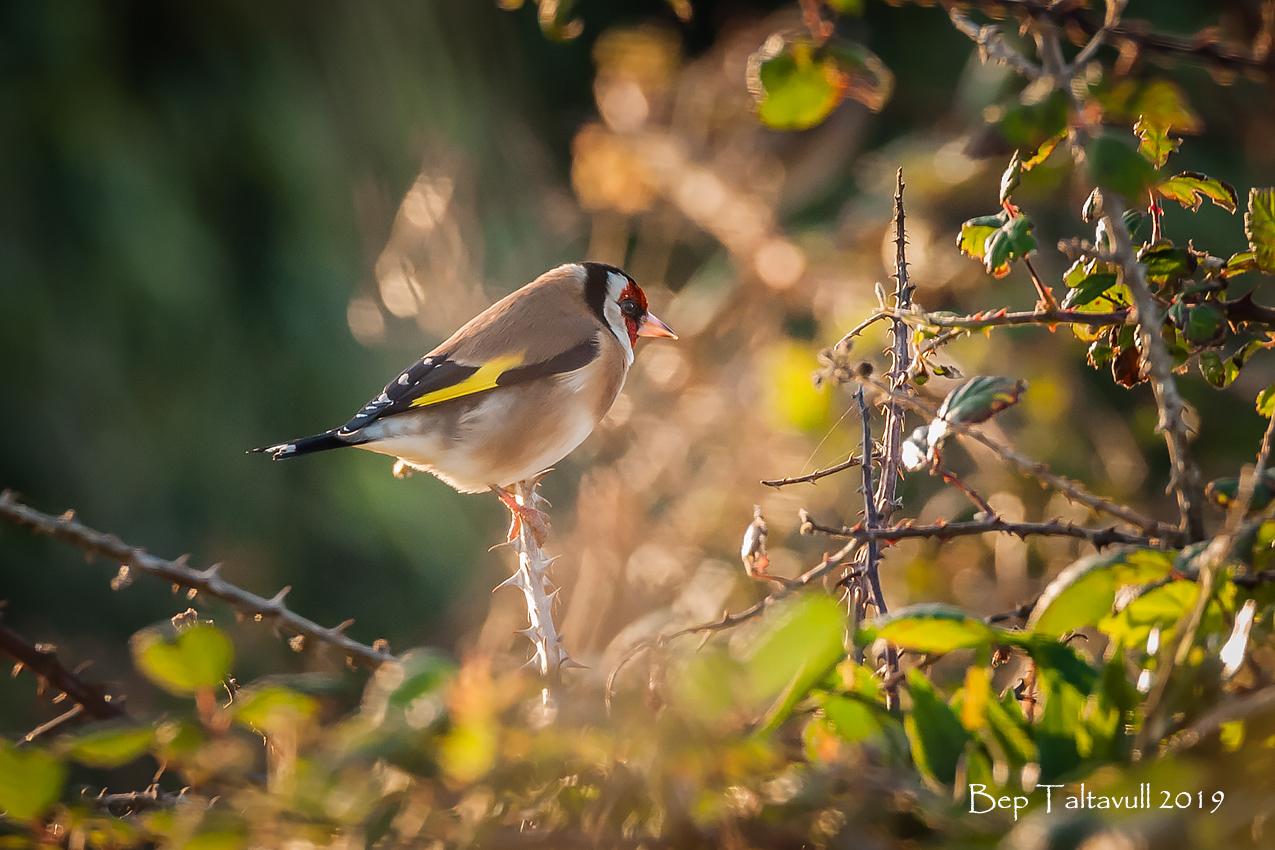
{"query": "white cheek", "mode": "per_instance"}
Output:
(616, 323)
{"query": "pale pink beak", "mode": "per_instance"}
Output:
(652, 326)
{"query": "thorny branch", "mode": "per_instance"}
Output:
(848, 463)
(1073, 490)
(870, 553)
(943, 531)
(1185, 479)
(44, 663)
(207, 582)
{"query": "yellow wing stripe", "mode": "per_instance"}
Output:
(483, 379)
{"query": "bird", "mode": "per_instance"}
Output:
(512, 392)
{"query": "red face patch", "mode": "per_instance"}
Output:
(634, 293)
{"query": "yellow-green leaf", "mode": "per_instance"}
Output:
(30, 781)
(110, 744)
(1190, 188)
(933, 627)
(1084, 592)
(1259, 224)
(195, 659)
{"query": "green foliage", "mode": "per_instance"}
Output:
(1086, 591)
(1112, 164)
(934, 731)
(797, 85)
(1190, 188)
(932, 627)
(997, 240)
(30, 781)
(980, 398)
(110, 744)
(196, 658)
(1259, 225)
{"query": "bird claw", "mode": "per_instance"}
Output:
(537, 521)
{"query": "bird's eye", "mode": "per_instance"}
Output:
(630, 309)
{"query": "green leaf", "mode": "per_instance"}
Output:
(847, 7)
(1199, 323)
(1155, 144)
(933, 627)
(1266, 401)
(1043, 151)
(273, 708)
(1066, 681)
(1030, 128)
(972, 240)
(1114, 165)
(1103, 734)
(1087, 280)
(1190, 188)
(851, 719)
(1161, 607)
(981, 398)
(1224, 491)
(1220, 373)
(1239, 263)
(196, 659)
(1259, 225)
(1084, 592)
(934, 731)
(1155, 103)
(1007, 244)
(800, 641)
(110, 744)
(798, 85)
(30, 781)
(1166, 263)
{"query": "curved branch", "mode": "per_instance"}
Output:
(207, 582)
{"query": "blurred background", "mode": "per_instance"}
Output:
(223, 225)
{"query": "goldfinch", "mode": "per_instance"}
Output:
(513, 391)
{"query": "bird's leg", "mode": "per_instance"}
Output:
(537, 520)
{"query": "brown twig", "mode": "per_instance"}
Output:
(207, 582)
(849, 463)
(943, 531)
(45, 664)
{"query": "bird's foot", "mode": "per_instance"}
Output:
(537, 521)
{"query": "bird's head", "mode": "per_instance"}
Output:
(621, 304)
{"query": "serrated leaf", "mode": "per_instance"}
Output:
(1084, 592)
(980, 398)
(934, 731)
(1111, 164)
(1266, 401)
(972, 240)
(1190, 188)
(1155, 144)
(30, 781)
(197, 658)
(1259, 226)
(109, 744)
(1244, 261)
(933, 627)
(1100, 354)
(1011, 242)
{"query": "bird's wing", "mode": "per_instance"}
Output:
(438, 377)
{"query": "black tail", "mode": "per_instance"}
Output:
(307, 445)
